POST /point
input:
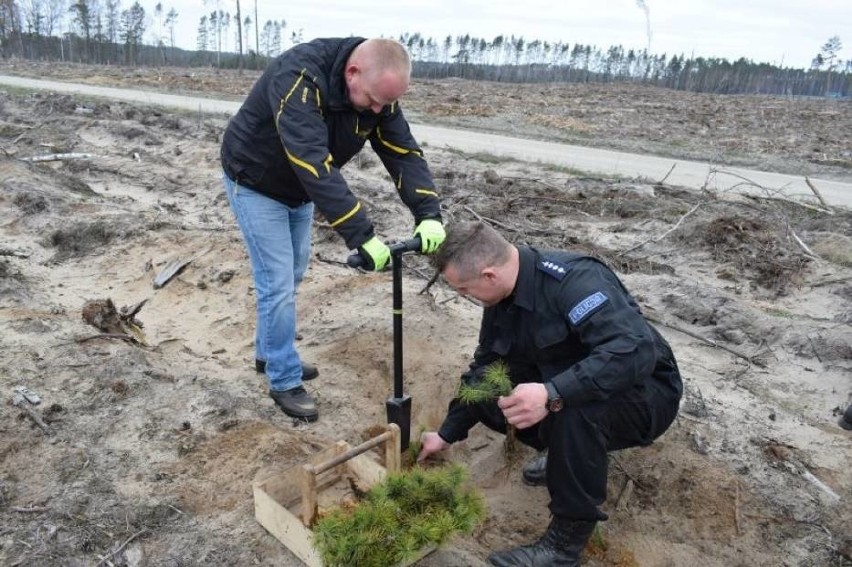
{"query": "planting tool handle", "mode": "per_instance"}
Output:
(413, 245)
(391, 440)
(398, 405)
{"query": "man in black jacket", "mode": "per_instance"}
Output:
(310, 112)
(589, 375)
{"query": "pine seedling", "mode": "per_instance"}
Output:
(399, 517)
(495, 382)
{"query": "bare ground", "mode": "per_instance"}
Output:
(794, 135)
(144, 454)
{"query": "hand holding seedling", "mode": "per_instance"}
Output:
(526, 405)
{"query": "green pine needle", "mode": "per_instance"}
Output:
(495, 382)
(399, 517)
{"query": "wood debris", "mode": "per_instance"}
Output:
(22, 399)
(171, 269)
(22, 393)
(174, 268)
(57, 157)
(101, 313)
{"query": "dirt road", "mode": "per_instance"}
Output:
(690, 174)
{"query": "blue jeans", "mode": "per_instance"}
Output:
(278, 239)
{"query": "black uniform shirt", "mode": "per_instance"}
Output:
(571, 321)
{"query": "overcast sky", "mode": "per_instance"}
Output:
(773, 31)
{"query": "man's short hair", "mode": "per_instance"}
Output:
(470, 247)
(388, 55)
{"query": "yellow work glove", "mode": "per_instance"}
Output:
(431, 233)
(376, 254)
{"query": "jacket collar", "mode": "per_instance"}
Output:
(524, 292)
(338, 98)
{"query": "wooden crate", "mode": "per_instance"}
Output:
(286, 503)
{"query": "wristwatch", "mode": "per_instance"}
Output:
(554, 399)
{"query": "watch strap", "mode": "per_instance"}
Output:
(552, 392)
(554, 398)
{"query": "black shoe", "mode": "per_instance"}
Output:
(846, 419)
(535, 471)
(561, 546)
(296, 403)
(309, 371)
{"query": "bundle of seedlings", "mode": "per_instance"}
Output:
(399, 518)
(493, 383)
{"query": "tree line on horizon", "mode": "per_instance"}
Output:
(101, 32)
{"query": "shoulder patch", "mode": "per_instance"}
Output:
(554, 269)
(587, 307)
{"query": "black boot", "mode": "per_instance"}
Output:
(296, 403)
(561, 546)
(846, 419)
(535, 471)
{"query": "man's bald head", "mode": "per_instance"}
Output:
(377, 73)
(382, 55)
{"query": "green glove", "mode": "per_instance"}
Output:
(375, 253)
(431, 233)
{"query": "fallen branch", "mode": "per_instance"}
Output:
(122, 336)
(490, 221)
(745, 181)
(327, 260)
(804, 247)
(523, 231)
(430, 283)
(769, 193)
(663, 180)
(106, 558)
(627, 491)
(14, 254)
(34, 417)
(811, 207)
(817, 193)
(809, 476)
(832, 281)
(57, 157)
(541, 198)
(418, 272)
(624, 471)
(747, 358)
(666, 233)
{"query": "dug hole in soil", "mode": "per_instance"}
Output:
(137, 443)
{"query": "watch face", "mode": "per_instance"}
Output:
(556, 404)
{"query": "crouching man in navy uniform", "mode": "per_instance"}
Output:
(590, 375)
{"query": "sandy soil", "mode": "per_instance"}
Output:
(143, 452)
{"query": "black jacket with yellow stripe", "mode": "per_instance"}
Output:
(297, 128)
